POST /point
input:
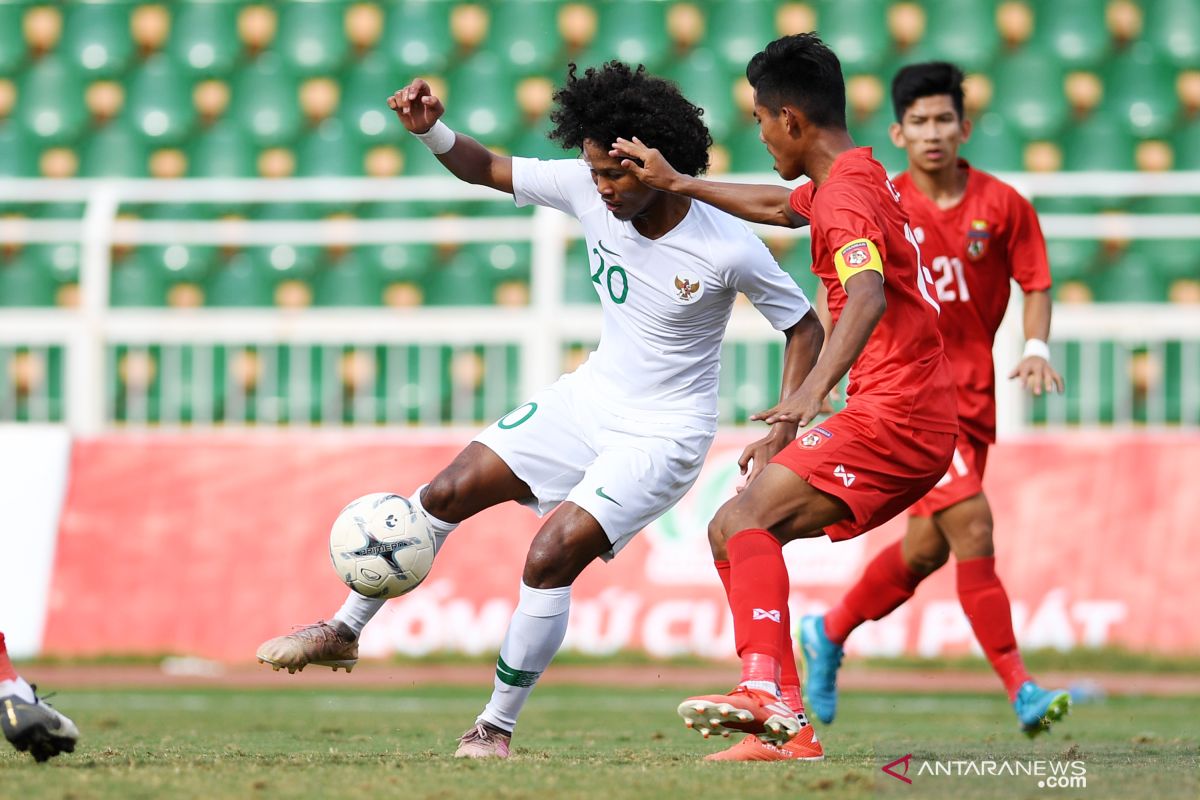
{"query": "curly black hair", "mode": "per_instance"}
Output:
(614, 100)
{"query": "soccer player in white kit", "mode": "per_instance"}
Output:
(616, 443)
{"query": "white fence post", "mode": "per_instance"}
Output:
(85, 354)
(541, 357)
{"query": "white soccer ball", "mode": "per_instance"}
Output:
(381, 546)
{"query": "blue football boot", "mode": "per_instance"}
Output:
(822, 658)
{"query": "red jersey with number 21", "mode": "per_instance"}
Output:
(857, 223)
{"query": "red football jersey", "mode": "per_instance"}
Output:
(857, 224)
(973, 251)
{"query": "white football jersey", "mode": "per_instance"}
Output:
(666, 301)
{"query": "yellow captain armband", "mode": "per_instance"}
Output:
(856, 256)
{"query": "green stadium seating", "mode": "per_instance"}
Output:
(159, 101)
(737, 29)
(480, 99)
(1099, 143)
(364, 100)
(137, 282)
(12, 42)
(873, 133)
(1035, 106)
(17, 154)
(994, 145)
(635, 33)
(533, 141)
(706, 82)
(525, 34)
(264, 101)
(857, 32)
(23, 283)
(311, 37)
(60, 261)
(116, 150)
(50, 101)
(399, 263)
(328, 150)
(462, 280)
(1129, 279)
(578, 286)
(222, 151)
(1173, 29)
(180, 262)
(96, 39)
(1072, 259)
(1187, 146)
(747, 153)
(416, 37)
(349, 281)
(961, 31)
(1140, 91)
(1074, 31)
(204, 38)
(240, 283)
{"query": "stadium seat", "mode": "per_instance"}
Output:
(1074, 31)
(737, 29)
(706, 82)
(311, 37)
(481, 99)
(1140, 91)
(416, 38)
(1036, 108)
(17, 154)
(222, 151)
(524, 33)
(50, 101)
(857, 31)
(1187, 146)
(463, 280)
(160, 101)
(12, 42)
(264, 101)
(578, 286)
(23, 283)
(635, 33)
(178, 262)
(136, 281)
(1100, 143)
(117, 150)
(328, 150)
(1071, 259)
(238, 283)
(1128, 279)
(994, 145)
(96, 39)
(533, 141)
(1173, 28)
(348, 281)
(365, 92)
(204, 39)
(747, 153)
(961, 31)
(873, 133)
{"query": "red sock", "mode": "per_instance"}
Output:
(758, 590)
(986, 605)
(7, 673)
(789, 677)
(884, 586)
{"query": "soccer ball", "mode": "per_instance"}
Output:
(380, 546)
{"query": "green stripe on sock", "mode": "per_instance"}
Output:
(515, 677)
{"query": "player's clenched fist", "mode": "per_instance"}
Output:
(417, 106)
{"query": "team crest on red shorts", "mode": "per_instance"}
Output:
(815, 438)
(857, 254)
(977, 239)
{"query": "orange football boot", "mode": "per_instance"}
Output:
(804, 746)
(745, 710)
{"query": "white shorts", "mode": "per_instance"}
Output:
(624, 472)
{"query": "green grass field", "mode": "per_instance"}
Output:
(576, 742)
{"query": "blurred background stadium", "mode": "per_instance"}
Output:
(236, 294)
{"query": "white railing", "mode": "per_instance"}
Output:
(538, 331)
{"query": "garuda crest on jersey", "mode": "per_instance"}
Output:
(977, 239)
(687, 290)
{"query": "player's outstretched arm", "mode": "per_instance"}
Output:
(865, 304)
(804, 342)
(753, 202)
(420, 112)
(1034, 370)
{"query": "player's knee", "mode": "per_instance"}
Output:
(730, 518)
(928, 556)
(550, 564)
(974, 539)
(445, 495)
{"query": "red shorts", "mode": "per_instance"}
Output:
(875, 466)
(964, 478)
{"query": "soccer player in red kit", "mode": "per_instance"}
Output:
(976, 234)
(895, 438)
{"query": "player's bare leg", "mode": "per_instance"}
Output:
(569, 541)
(475, 480)
(750, 530)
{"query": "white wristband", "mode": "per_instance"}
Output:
(439, 139)
(1036, 347)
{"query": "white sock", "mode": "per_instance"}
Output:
(534, 636)
(357, 611)
(17, 686)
